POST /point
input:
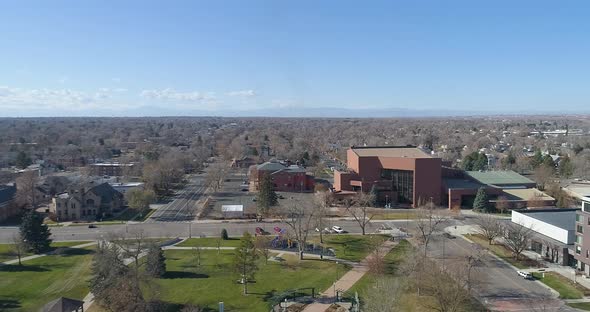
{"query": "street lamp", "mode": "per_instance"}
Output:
(386, 201)
(336, 280)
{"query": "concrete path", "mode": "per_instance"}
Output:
(23, 259)
(346, 281)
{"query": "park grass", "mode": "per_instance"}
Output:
(6, 249)
(502, 252)
(43, 279)
(350, 247)
(215, 279)
(210, 242)
(585, 306)
(564, 286)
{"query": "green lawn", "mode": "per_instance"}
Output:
(350, 247)
(564, 286)
(392, 259)
(580, 305)
(215, 280)
(6, 249)
(44, 279)
(210, 242)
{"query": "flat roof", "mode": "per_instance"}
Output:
(559, 217)
(579, 189)
(500, 177)
(526, 194)
(390, 151)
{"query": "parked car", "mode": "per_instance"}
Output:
(525, 275)
(447, 235)
(244, 190)
(261, 231)
(91, 226)
(337, 229)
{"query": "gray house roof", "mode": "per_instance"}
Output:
(63, 304)
(270, 166)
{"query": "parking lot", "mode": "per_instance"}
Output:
(235, 192)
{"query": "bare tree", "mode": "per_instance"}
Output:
(516, 238)
(299, 219)
(26, 185)
(489, 227)
(322, 201)
(430, 219)
(502, 204)
(132, 246)
(262, 244)
(19, 247)
(543, 175)
(384, 295)
(197, 259)
(360, 210)
(215, 175)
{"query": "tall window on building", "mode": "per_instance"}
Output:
(402, 182)
(586, 206)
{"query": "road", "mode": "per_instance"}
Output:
(498, 286)
(171, 229)
(183, 204)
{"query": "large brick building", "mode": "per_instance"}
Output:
(285, 178)
(400, 174)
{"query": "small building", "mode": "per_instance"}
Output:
(244, 162)
(554, 232)
(285, 178)
(232, 211)
(8, 207)
(64, 304)
(89, 201)
(113, 169)
(124, 187)
(580, 190)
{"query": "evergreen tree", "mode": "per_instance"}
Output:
(566, 168)
(266, 197)
(548, 161)
(224, 235)
(481, 202)
(34, 233)
(481, 162)
(467, 163)
(245, 260)
(22, 160)
(537, 159)
(156, 261)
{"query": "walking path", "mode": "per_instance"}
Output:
(346, 281)
(14, 261)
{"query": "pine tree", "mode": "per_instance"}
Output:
(481, 162)
(156, 261)
(34, 233)
(22, 160)
(245, 260)
(224, 235)
(537, 159)
(266, 197)
(481, 202)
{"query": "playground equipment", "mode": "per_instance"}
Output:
(278, 241)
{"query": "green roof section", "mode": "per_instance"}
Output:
(503, 177)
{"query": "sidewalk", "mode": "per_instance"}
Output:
(346, 281)
(23, 259)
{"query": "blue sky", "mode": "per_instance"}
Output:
(113, 58)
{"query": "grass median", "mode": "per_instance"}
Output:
(564, 286)
(6, 252)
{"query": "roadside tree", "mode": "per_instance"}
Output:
(266, 196)
(245, 260)
(34, 233)
(299, 219)
(361, 209)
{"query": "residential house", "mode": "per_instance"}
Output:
(285, 178)
(87, 202)
(8, 207)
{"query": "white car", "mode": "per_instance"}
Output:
(337, 229)
(525, 275)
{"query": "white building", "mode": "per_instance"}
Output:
(232, 211)
(554, 229)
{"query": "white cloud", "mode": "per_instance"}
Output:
(242, 93)
(171, 94)
(58, 99)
